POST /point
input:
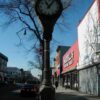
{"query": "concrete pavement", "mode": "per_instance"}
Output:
(68, 94)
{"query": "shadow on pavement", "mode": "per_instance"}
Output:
(93, 97)
(63, 96)
(6, 89)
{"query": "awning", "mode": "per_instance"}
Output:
(69, 69)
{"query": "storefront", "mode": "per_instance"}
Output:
(70, 73)
(58, 63)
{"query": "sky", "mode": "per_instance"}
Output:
(64, 35)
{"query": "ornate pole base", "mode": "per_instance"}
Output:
(47, 93)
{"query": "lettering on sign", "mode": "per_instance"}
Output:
(69, 59)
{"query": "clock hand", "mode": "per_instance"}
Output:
(49, 5)
(46, 3)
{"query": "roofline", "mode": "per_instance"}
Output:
(86, 13)
(72, 46)
(58, 48)
(3, 56)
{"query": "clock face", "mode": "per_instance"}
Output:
(48, 7)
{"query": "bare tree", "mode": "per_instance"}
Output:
(91, 39)
(23, 11)
(37, 63)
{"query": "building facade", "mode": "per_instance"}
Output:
(58, 62)
(69, 67)
(89, 51)
(13, 74)
(3, 66)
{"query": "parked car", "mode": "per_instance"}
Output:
(19, 85)
(30, 89)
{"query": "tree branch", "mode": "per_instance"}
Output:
(37, 31)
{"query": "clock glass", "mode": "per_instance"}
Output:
(48, 7)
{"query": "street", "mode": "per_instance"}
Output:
(14, 96)
(10, 93)
(13, 93)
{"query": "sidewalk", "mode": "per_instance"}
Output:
(68, 94)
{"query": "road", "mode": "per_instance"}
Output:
(9, 93)
(13, 93)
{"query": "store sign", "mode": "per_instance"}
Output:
(69, 59)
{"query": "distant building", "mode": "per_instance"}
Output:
(52, 74)
(28, 75)
(3, 66)
(13, 73)
(58, 61)
(69, 66)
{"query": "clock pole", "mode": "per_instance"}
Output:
(48, 20)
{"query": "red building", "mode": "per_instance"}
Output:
(58, 62)
(69, 70)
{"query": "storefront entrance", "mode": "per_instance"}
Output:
(71, 80)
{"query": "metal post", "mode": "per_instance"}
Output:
(47, 91)
(46, 79)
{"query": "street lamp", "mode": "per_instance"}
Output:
(48, 12)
